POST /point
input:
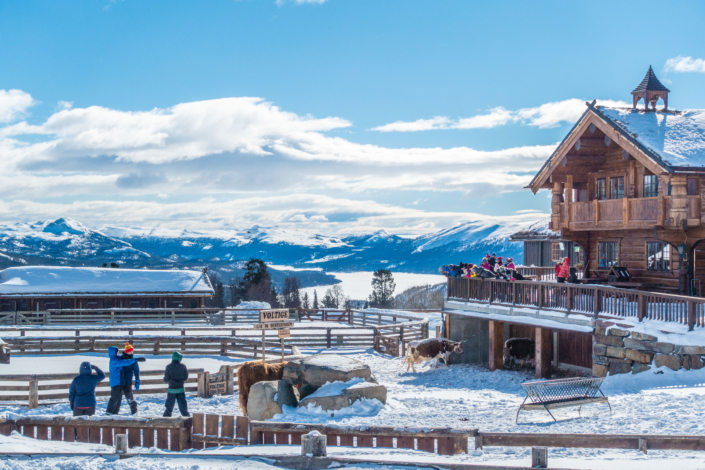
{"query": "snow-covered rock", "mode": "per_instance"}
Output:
(337, 395)
(267, 398)
(321, 369)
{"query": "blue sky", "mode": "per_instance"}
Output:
(333, 116)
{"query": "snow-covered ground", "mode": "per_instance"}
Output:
(358, 285)
(460, 396)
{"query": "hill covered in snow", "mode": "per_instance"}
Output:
(68, 242)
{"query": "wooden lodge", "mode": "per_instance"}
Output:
(41, 288)
(628, 186)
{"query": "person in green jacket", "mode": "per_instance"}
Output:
(175, 376)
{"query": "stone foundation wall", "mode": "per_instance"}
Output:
(618, 351)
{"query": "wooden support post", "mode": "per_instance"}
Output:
(539, 457)
(641, 306)
(478, 442)
(33, 401)
(121, 444)
(496, 345)
(595, 211)
(691, 315)
(543, 353)
(242, 426)
(625, 211)
(556, 362)
(328, 338)
(201, 385)
(263, 345)
(643, 446)
(438, 331)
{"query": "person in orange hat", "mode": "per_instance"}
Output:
(121, 379)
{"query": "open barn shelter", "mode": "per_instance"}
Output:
(39, 288)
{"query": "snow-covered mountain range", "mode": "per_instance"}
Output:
(68, 242)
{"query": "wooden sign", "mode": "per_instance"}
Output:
(273, 326)
(284, 333)
(217, 384)
(274, 315)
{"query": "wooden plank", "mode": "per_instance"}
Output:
(95, 435)
(452, 445)
(134, 437)
(148, 437)
(43, 433)
(199, 426)
(385, 441)
(347, 440)
(296, 438)
(282, 438)
(331, 439)
(365, 441)
(405, 443)
(496, 345)
(543, 353)
(57, 433)
(28, 430)
(227, 427)
(69, 433)
(268, 438)
(212, 422)
(163, 439)
(107, 436)
(242, 427)
(426, 444)
(175, 440)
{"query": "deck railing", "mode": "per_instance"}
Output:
(541, 273)
(582, 299)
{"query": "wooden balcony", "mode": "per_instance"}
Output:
(627, 213)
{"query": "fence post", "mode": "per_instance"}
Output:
(569, 298)
(375, 340)
(202, 385)
(641, 306)
(328, 338)
(540, 299)
(514, 294)
(597, 301)
(691, 315)
(350, 316)
(539, 457)
(364, 318)
(173, 320)
(33, 401)
(401, 333)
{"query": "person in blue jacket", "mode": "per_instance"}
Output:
(115, 369)
(82, 390)
(128, 373)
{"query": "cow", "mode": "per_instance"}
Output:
(430, 349)
(518, 349)
(249, 373)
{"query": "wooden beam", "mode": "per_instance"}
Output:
(583, 160)
(543, 353)
(496, 345)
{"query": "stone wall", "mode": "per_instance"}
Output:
(618, 351)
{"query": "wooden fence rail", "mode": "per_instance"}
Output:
(50, 388)
(582, 299)
(164, 433)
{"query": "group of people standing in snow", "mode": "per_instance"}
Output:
(492, 266)
(124, 369)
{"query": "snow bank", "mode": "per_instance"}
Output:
(253, 304)
(331, 389)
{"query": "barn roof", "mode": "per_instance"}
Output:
(69, 281)
(538, 231)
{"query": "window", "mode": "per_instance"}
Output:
(658, 256)
(67, 305)
(193, 303)
(650, 185)
(617, 187)
(151, 303)
(555, 251)
(108, 304)
(608, 254)
(600, 188)
(23, 306)
(692, 187)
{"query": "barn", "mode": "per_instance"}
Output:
(40, 288)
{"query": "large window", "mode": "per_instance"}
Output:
(600, 188)
(650, 185)
(692, 187)
(608, 254)
(617, 187)
(658, 256)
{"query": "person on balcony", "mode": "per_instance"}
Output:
(558, 268)
(564, 272)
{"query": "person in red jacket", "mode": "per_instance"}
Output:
(558, 269)
(563, 274)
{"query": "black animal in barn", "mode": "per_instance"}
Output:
(518, 349)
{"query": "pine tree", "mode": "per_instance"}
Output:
(218, 299)
(305, 301)
(383, 286)
(315, 300)
(290, 292)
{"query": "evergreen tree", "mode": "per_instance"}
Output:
(305, 302)
(218, 299)
(290, 292)
(383, 286)
(329, 300)
(273, 299)
(315, 300)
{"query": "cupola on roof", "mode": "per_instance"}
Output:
(650, 89)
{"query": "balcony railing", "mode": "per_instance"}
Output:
(624, 213)
(581, 299)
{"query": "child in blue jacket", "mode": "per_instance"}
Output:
(115, 368)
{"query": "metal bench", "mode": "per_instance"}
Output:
(562, 393)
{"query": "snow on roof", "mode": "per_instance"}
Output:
(676, 137)
(47, 280)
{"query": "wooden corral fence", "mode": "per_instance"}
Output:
(227, 346)
(164, 433)
(52, 388)
(392, 339)
(582, 299)
(215, 430)
(189, 316)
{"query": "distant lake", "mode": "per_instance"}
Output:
(358, 286)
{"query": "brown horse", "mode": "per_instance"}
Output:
(249, 373)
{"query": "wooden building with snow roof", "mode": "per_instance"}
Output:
(39, 288)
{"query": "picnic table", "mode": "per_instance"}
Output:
(562, 393)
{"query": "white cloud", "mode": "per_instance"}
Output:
(685, 64)
(298, 218)
(14, 104)
(545, 116)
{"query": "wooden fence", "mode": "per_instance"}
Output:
(52, 388)
(582, 299)
(164, 433)
(541, 273)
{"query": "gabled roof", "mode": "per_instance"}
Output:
(675, 137)
(48, 280)
(650, 83)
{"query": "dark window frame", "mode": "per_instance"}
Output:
(692, 187)
(654, 262)
(650, 186)
(601, 189)
(617, 187)
(611, 251)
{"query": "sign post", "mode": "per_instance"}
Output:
(273, 319)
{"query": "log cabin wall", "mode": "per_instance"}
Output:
(33, 304)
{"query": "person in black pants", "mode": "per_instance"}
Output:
(127, 374)
(82, 390)
(115, 367)
(175, 376)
